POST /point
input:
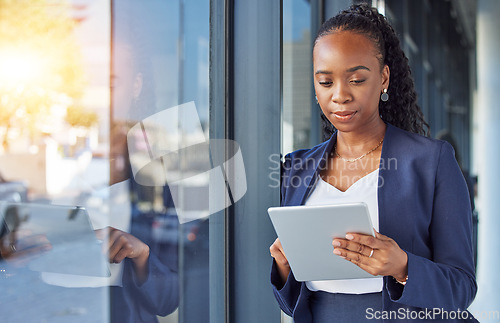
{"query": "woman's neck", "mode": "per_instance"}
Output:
(355, 143)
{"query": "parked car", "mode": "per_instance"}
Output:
(13, 191)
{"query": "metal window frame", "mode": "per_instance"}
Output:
(245, 98)
(219, 239)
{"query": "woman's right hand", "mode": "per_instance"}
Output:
(279, 256)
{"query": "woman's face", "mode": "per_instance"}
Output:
(349, 80)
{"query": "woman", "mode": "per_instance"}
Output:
(422, 258)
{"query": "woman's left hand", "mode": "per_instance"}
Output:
(379, 255)
(121, 245)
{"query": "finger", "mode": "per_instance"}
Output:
(277, 244)
(22, 255)
(364, 262)
(39, 240)
(121, 254)
(364, 239)
(113, 243)
(349, 255)
(31, 252)
(352, 246)
(21, 233)
(277, 253)
(276, 247)
(119, 247)
(110, 246)
(282, 250)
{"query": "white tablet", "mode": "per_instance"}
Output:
(306, 234)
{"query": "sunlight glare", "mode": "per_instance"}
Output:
(19, 67)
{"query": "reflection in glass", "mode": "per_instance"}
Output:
(49, 125)
(64, 144)
(297, 75)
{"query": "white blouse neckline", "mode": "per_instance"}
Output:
(353, 185)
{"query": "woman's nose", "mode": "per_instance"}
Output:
(341, 94)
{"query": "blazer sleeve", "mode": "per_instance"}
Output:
(447, 280)
(159, 294)
(287, 294)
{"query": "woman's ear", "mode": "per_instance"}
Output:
(386, 75)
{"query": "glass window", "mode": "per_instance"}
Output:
(297, 76)
(297, 87)
(104, 161)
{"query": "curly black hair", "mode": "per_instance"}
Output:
(401, 110)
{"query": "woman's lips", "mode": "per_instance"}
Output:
(344, 115)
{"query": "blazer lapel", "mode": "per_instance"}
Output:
(391, 177)
(311, 175)
(389, 183)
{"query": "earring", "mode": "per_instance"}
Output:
(385, 96)
(316, 97)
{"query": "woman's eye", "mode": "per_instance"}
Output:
(357, 81)
(325, 83)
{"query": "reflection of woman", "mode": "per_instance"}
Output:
(150, 283)
(416, 194)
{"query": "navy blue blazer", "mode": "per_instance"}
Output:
(423, 205)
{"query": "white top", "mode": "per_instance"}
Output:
(363, 190)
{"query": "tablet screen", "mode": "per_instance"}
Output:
(306, 234)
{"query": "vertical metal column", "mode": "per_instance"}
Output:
(219, 243)
(256, 106)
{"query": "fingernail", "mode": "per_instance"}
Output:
(349, 236)
(336, 251)
(336, 243)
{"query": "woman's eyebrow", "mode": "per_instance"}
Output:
(322, 72)
(350, 70)
(359, 67)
